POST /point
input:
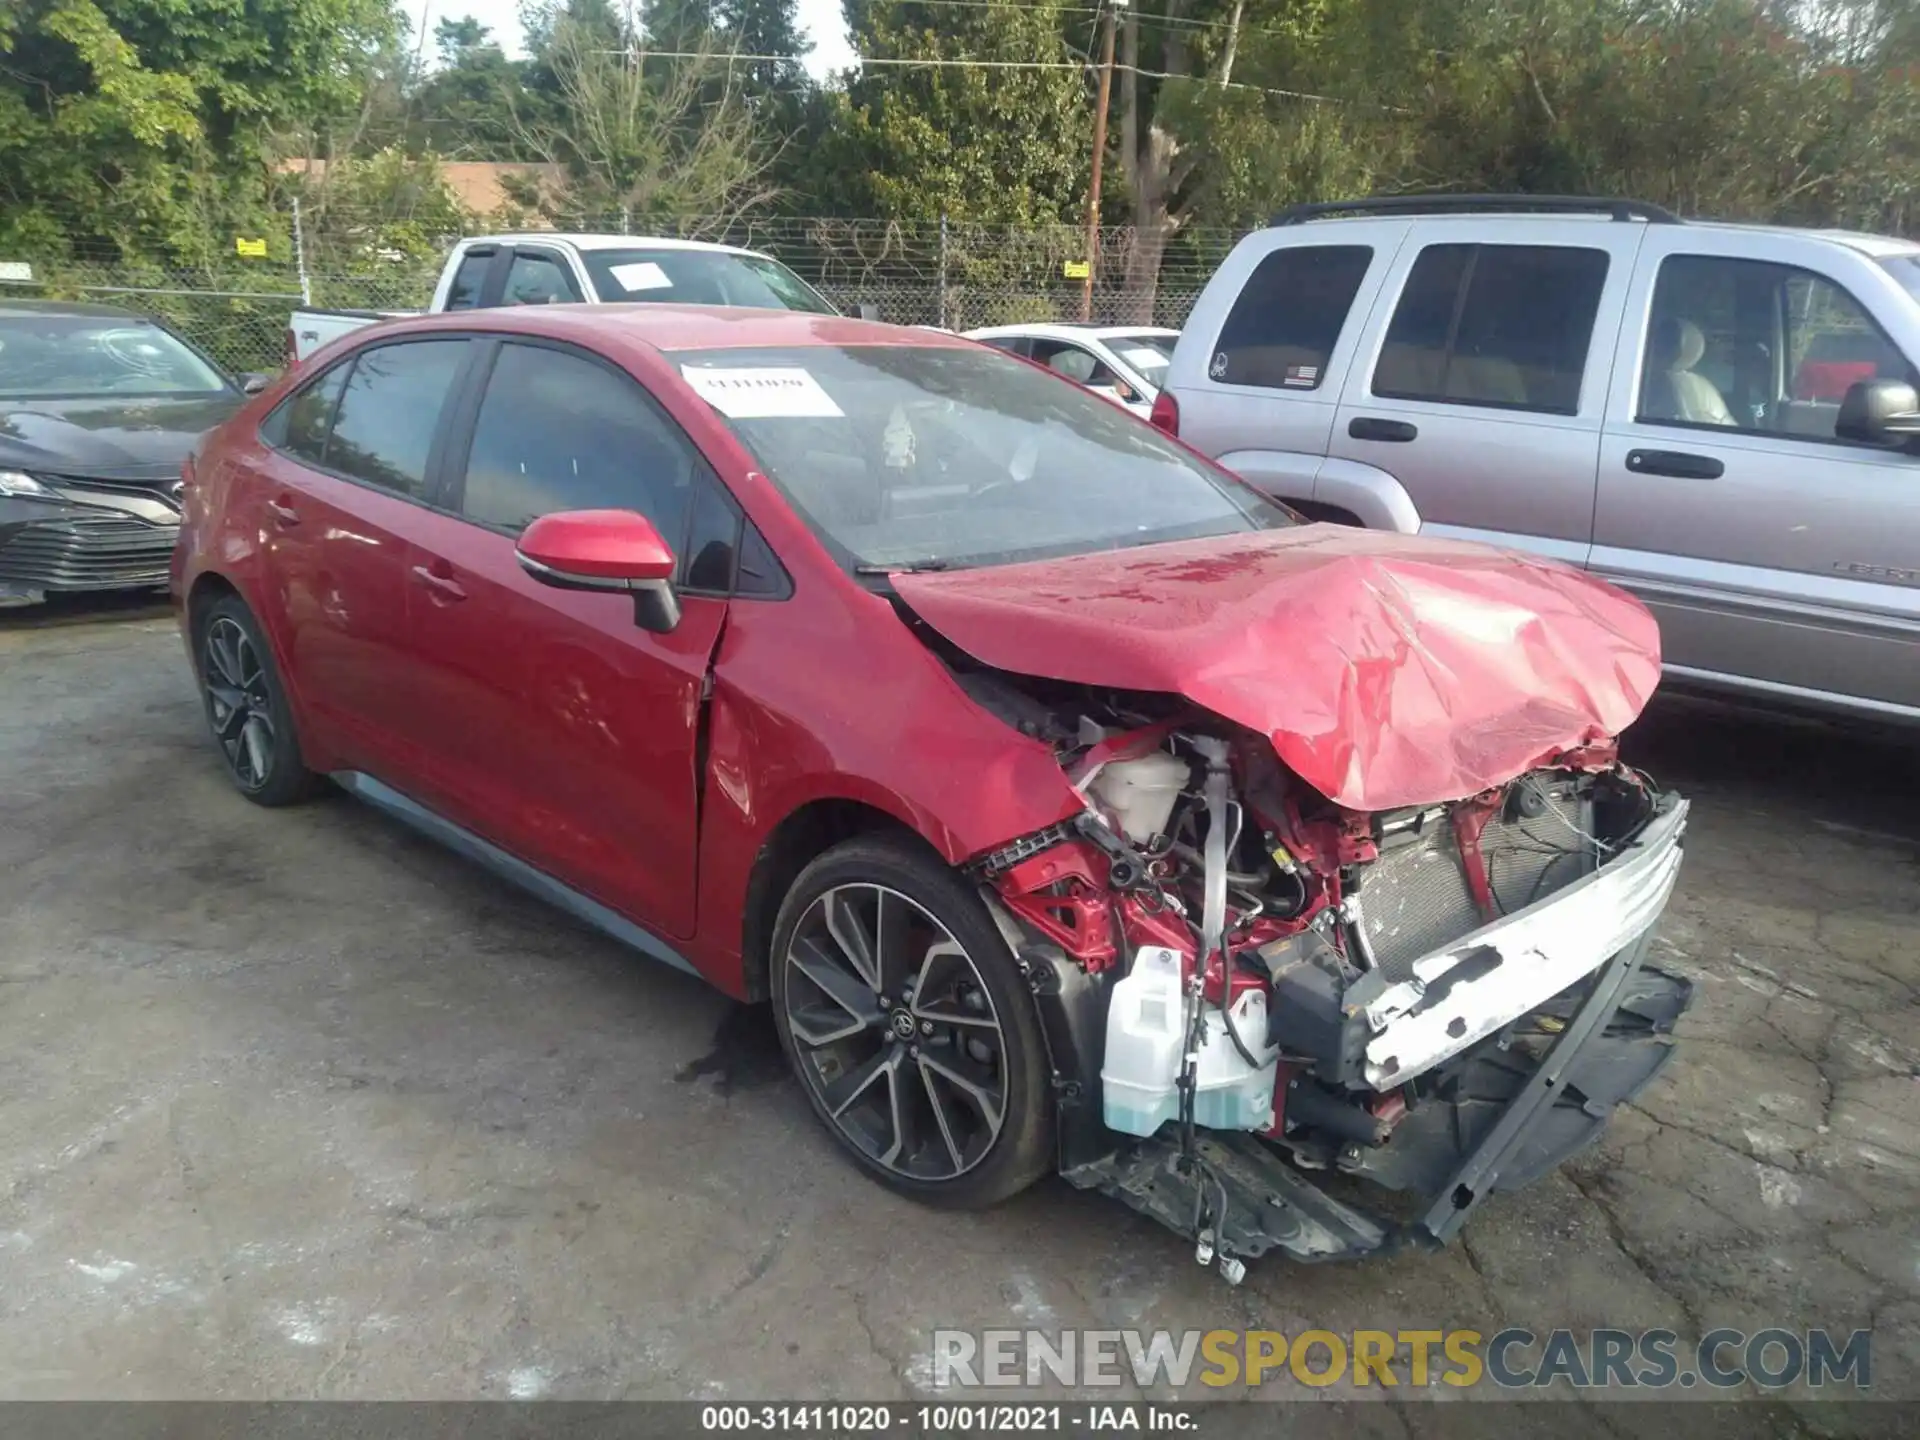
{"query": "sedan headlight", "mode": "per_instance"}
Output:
(18, 482)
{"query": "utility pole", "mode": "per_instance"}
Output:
(1112, 8)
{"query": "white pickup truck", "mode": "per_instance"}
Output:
(552, 269)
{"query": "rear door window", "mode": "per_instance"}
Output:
(1503, 326)
(299, 424)
(1289, 315)
(389, 412)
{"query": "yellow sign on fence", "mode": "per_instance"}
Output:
(1076, 269)
(252, 249)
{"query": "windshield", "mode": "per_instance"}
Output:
(1148, 354)
(904, 457)
(72, 356)
(702, 277)
(1905, 269)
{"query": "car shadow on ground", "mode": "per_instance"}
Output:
(89, 609)
(1850, 777)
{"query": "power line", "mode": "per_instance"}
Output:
(1141, 17)
(943, 62)
(644, 53)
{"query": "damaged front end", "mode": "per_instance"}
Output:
(1247, 988)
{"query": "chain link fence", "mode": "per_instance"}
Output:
(236, 301)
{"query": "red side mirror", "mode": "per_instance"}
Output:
(604, 550)
(595, 550)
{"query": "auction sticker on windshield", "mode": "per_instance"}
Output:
(763, 393)
(641, 275)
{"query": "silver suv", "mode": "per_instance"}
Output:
(1721, 418)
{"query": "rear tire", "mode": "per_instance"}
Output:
(910, 1027)
(246, 707)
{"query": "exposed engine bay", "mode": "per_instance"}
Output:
(1245, 983)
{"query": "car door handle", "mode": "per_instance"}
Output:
(1367, 427)
(444, 587)
(1676, 463)
(283, 513)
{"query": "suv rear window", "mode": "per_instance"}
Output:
(1290, 312)
(1505, 326)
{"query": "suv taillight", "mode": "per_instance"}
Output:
(1166, 412)
(292, 355)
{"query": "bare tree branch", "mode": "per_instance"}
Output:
(648, 135)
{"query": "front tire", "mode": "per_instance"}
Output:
(912, 1032)
(246, 707)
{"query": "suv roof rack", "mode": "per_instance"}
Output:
(1443, 204)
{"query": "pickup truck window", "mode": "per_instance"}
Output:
(1755, 347)
(1504, 326)
(384, 426)
(557, 431)
(537, 278)
(464, 292)
(701, 277)
(1286, 320)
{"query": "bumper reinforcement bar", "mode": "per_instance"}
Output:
(1254, 1200)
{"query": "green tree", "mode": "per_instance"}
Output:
(992, 143)
(749, 35)
(464, 107)
(641, 141)
(1205, 134)
(371, 212)
(1728, 108)
(138, 127)
(738, 28)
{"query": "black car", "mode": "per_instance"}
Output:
(98, 408)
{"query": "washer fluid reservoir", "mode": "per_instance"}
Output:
(1140, 793)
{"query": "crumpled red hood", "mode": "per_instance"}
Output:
(1388, 670)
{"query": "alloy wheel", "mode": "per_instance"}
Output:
(237, 702)
(896, 1032)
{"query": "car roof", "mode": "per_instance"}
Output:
(682, 327)
(1873, 246)
(602, 241)
(71, 307)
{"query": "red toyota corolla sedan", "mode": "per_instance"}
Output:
(1075, 807)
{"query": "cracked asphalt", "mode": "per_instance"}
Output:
(294, 1104)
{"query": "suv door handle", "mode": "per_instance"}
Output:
(1676, 463)
(444, 587)
(284, 513)
(1367, 427)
